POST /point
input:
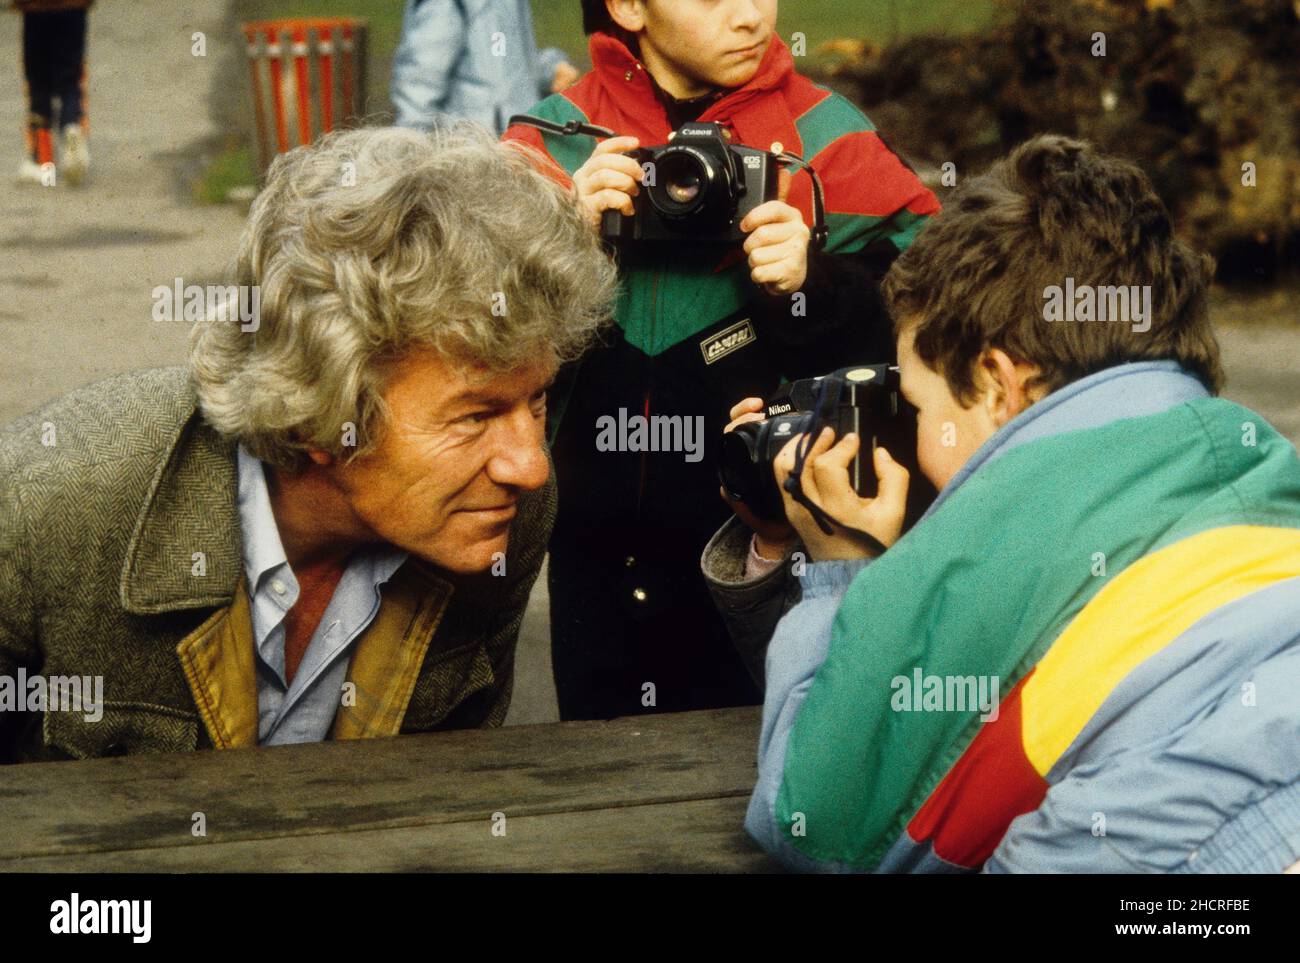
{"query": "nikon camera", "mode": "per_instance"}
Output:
(865, 400)
(698, 187)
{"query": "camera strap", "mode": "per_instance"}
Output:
(569, 128)
(794, 482)
(820, 232)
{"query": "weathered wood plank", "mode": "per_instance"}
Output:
(696, 836)
(141, 802)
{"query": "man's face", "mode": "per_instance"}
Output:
(715, 43)
(463, 445)
(947, 433)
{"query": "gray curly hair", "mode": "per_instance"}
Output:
(446, 240)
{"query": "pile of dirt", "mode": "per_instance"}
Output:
(1195, 91)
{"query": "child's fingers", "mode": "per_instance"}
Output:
(783, 178)
(761, 237)
(613, 179)
(778, 273)
(840, 456)
(831, 472)
(773, 212)
(787, 249)
(616, 145)
(612, 162)
(811, 473)
(749, 404)
(825, 438)
(612, 200)
(743, 419)
(766, 255)
(788, 235)
(891, 494)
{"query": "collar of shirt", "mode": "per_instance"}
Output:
(265, 564)
(273, 589)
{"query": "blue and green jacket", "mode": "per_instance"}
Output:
(1083, 659)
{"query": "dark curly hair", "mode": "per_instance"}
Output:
(979, 275)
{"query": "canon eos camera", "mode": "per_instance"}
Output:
(697, 187)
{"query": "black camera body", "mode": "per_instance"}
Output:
(867, 401)
(698, 187)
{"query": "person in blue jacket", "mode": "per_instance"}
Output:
(473, 60)
(1114, 554)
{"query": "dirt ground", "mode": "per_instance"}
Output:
(78, 266)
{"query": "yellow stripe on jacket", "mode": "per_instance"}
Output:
(1143, 609)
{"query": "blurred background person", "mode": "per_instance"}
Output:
(472, 59)
(54, 67)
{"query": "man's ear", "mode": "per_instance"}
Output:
(322, 458)
(1006, 385)
(627, 14)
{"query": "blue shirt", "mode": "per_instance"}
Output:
(301, 711)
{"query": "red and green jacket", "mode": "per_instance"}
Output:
(669, 352)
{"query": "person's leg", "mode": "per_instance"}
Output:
(69, 85)
(38, 73)
(69, 62)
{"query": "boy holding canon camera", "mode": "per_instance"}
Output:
(1084, 657)
(717, 303)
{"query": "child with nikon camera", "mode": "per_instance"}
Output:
(724, 309)
(1083, 659)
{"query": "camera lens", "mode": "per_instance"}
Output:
(746, 467)
(686, 188)
(682, 187)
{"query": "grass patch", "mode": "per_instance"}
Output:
(232, 167)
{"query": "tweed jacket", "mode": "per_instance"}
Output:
(120, 557)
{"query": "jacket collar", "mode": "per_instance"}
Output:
(1133, 390)
(625, 76)
(189, 508)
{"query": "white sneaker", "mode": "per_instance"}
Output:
(30, 172)
(75, 155)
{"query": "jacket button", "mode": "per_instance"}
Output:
(628, 75)
(115, 749)
(629, 561)
(639, 594)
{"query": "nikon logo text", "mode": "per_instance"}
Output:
(657, 433)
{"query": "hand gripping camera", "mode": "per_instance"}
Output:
(865, 400)
(698, 187)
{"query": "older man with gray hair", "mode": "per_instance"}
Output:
(327, 526)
